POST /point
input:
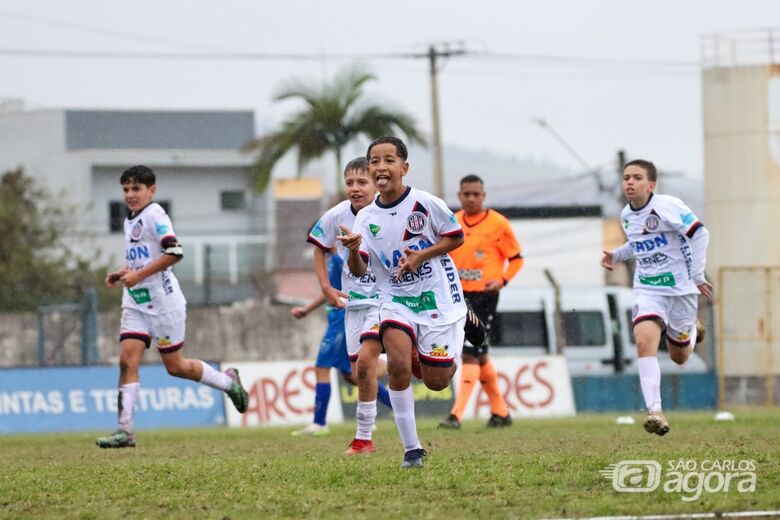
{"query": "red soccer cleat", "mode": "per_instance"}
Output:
(416, 368)
(360, 446)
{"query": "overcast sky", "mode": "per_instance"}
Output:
(634, 83)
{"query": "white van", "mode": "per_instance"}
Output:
(597, 328)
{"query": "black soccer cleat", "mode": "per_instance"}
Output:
(450, 423)
(476, 334)
(496, 421)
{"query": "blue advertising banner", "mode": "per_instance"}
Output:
(55, 399)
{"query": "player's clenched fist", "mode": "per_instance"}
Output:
(349, 239)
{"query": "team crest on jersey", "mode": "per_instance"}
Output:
(416, 222)
(138, 228)
(652, 222)
(479, 254)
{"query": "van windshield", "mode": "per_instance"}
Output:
(519, 329)
(584, 328)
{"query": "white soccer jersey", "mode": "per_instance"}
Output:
(145, 235)
(659, 234)
(432, 295)
(361, 289)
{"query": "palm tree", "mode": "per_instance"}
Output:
(334, 116)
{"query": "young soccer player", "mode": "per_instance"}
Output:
(404, 236)
(670, 247)
(153, 307)
(488, 259)
(362, 305)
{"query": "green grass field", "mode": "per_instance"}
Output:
(535, 469)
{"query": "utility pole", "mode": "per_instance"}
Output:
(621, 165)
(434, 55)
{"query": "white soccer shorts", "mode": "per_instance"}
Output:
(678, 314)
(165, 330)
(360, 323)
(437, 345)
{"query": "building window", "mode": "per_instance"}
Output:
(117, 213)
(232, 200)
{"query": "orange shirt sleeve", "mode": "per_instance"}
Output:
(511, 250)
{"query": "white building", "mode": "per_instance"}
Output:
(203, 181)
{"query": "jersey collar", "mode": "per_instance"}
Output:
(396, 202)
(133, 217)
(643, 207)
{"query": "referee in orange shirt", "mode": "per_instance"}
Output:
(486, 261)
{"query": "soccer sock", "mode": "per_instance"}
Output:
(383, 396)
(366, 417)
(214, 378)
(403, 412)
(489, 380)
(128, 395)
(469, 375)
(321, 400)
(650, 381)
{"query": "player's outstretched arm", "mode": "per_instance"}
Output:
(301, 312)
(620, 254)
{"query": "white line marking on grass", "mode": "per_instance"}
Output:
(686, 516)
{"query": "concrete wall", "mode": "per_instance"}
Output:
(246, 331)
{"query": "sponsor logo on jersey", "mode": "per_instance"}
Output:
(656, 259)
(479, 254)
(374, 229)
(688, 218)
(683, 336)
(162, 229)
(416, 222)
(644, 246)
(652, 222)
(425, 302)
(407, 277)
(138, 228)
(452, 278)
(659, 280)
(625, 223)
(140, 296)
(439, 350)
(164, 342)
(137, 252)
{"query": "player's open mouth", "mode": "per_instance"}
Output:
(382, 181)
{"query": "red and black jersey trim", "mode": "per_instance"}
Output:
(392, 324)
(435, 361)
(369, 335)
(458, 233)
(647, 317)
(310, 239)
(141, 336)
(170, 348)
(681, 344)
(693, 229)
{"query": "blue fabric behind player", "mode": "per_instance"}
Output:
(333, 349)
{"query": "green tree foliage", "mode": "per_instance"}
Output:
(36, 267)
(333, 115)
